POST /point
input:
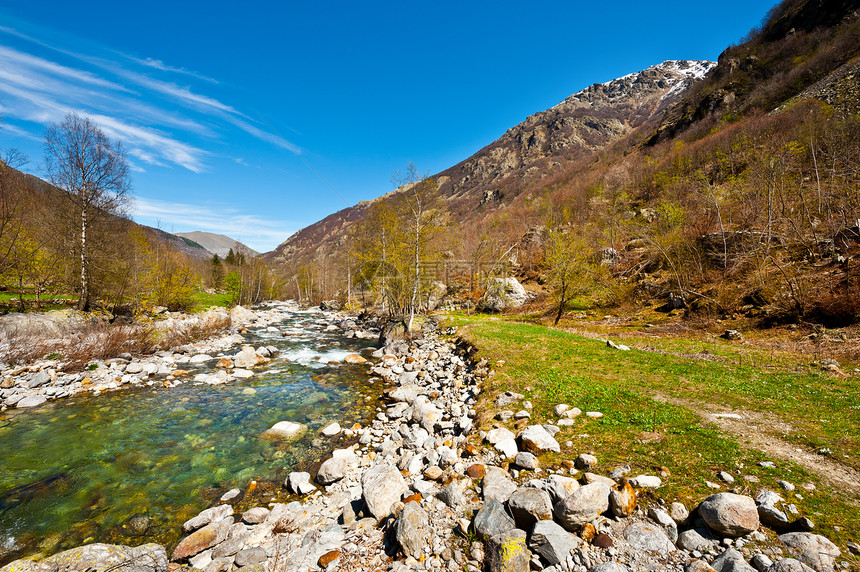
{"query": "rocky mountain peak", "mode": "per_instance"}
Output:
(588, 120)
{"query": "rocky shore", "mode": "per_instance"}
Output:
(44, 380)
(424, 489)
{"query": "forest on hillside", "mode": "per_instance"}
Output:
(71, 243)
(744, 197)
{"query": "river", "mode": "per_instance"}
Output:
(132, 465)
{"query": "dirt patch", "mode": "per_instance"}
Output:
(757, 430)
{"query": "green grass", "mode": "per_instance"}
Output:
(9, 299)
(201, 301)
(551, 366)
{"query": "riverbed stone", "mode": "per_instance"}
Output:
(696, 539)
(552, 542)
(609, 567)
(526, 460)
(498, 434)
(101, 558)
(582, 506)
(452, 495)
(334, 469)
(648, 537)
(255, 515)
(662, 518)
(213, 514)
(646, 482)
(497, 485)
(299, 482)
(813, 550)
(787, 565)
(492, 519)
(678, 512)
(622, 499)
(249, 556)
(507, 552)
(536, 439)
(529, 505)
(731, 561)
(559, 487)
(39, 379)
(381, 487)
(31, 401)
(729, 514)
(585, 462)
(248, 357)
(412, 529)
(200, 540)
(285, 429)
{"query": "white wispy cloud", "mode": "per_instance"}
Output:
(161, 66)
(156, 119)
(259, 233)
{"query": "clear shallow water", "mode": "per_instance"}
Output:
(131, 466)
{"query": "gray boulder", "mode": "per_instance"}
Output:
(789, 565)
(731, 561)
(99, 558)
(39, 379)
(696, 539)
(251, 556)
(412, 529)
(381, 487)
(537, 439)
(299, 482)
(552, 542)
(526, 460)
(452, 495)
(502, 294)
(729, 514)
(336, 468)
(497, 485)
(255, 515)
(582, 506)
(812, 549)
(772, 517)
(492, 519)
(647, 537)
(507, 552)
(31, 401)
(529, 505)
(213, 514)
(559, 487)
(609, 567)
(665, 521)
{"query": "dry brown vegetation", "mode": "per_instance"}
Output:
(85, 343)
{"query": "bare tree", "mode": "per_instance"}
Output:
(93, 171)
(419, 200)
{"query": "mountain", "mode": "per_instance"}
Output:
(183, 245)
(215, 243)
(728, 189)
(804, 49)
(543, 144)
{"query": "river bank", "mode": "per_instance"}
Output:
(426, 489)
(119, 465)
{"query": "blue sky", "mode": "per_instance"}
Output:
(224, 107)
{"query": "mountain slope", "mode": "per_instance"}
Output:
(805, 48)
(585, 122)
(216, 243)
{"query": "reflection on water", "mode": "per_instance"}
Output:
(133, 465)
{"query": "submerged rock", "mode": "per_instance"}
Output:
(285, 429)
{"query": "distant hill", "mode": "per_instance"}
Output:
(215, 243)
